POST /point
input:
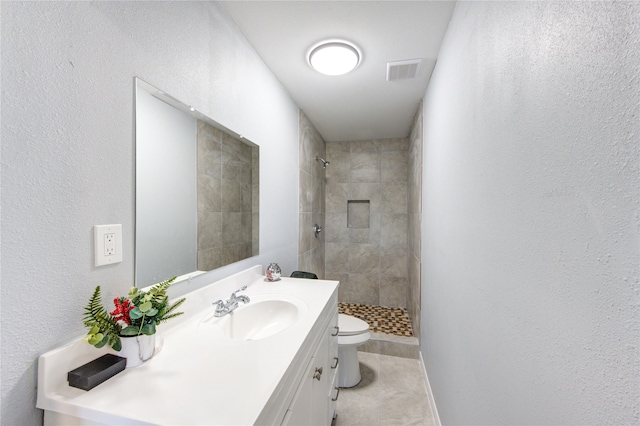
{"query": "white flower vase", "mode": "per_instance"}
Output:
(137, 349)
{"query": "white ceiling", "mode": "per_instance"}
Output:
(362, 104)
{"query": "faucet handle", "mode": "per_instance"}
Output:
(244, 287)
(221, 308)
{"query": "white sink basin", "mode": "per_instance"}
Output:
(258, 319)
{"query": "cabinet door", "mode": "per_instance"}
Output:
(299, 410)
(321, 385)
(312, 404)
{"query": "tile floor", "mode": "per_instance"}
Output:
(392, 392)
(381, 319)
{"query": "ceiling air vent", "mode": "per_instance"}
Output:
(403, 70)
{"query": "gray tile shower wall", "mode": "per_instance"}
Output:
(414, 208)
(375, 258)
(370, 257)
(311, 248)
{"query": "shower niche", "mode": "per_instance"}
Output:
(358, 213)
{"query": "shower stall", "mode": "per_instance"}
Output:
(365, 196)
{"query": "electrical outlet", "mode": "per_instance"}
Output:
(107, 244)
(110, 244)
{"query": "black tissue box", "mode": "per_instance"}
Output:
(90, 375)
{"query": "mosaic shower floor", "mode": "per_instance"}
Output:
(381, 319)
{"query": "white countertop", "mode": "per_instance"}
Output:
(192, 379)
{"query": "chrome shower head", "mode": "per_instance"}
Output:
(324, 163)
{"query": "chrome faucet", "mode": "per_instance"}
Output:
(224, 308)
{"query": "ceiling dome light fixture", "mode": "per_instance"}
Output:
(334, 57)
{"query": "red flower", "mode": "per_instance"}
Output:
(123, 307)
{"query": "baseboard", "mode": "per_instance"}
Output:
(432, 402)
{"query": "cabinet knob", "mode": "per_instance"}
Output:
(337, 331)
(336, 364)
(318, 373)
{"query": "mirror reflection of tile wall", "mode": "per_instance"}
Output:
(227, 198)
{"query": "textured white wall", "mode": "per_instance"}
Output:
(531, 294)
(68, 154)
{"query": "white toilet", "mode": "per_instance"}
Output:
(352, 333)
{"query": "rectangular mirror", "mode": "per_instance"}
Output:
(197, 190)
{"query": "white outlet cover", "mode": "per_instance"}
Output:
(99, 236)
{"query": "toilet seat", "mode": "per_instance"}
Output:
(351, 326)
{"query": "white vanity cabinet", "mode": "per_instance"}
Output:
(315, 398)
(203, 378)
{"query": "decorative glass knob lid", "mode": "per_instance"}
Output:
(273, 272)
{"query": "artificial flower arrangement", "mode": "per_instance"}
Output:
(136, 314)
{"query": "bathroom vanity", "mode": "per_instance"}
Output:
(272, 361)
